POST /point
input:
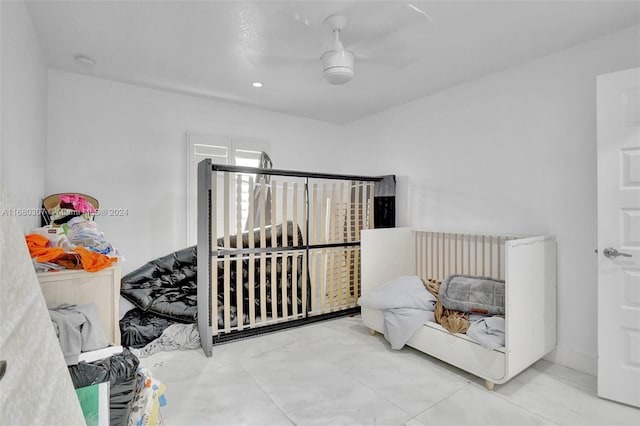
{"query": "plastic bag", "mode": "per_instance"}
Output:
(120, 370)
(85, 233)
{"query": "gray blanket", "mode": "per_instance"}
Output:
(406, 305)
(489, 332)
(174, 337)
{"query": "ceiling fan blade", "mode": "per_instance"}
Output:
(421, 11)
(393, 27)
(400, 42)
(397, 62)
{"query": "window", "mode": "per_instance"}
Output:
(222, 150)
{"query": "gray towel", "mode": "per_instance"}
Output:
(78, 328)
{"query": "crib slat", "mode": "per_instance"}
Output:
(476, 255)
(345, 294)
(432, 256)
(345, 195)
(358, 209)
(285, 257)
(455, 254)
(227, 259)
(491, 256)
(355, 220)
(274, 256)
(323, 240)
(312, 239)
(442, 276)
(438, 255)
(356, 269)
(483, 256)
(447, 253)
(294, 284)
(425, 249)
(314, 214)
(263, 256)
(344, 278)
(371, 203)
(418, 241)
(331, 205)
(500, 242)
(239, 274)
(347, 236)
(252, 276)
(469, 255)
(305, 285)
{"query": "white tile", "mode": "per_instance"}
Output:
(343, 403)
(201, 393)
(413, 422)
(406, 379)
(335, 373)
(565, 401)
(476, 406)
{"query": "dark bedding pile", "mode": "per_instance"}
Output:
(166, 286)
(138, 328)
(164, 290)
(292, 240)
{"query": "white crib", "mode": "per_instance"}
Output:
(527, 264)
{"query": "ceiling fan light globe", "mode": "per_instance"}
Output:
(339, 75)
(337, 66)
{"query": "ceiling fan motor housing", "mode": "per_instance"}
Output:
(337, 66)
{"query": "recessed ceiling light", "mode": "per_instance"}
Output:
(256, 84)
(84, 60)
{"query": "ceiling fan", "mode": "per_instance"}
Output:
(337, 62)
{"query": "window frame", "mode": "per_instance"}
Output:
(197, 145)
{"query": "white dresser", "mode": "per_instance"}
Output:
(81, 287)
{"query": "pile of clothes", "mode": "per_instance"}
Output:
(71, 239)
(47, 257)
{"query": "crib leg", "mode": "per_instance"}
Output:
(372, 332)
(489, 385)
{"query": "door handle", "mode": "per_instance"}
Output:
(612, 253)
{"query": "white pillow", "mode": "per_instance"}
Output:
(401, 292)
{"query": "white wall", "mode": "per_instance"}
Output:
(514, 152)
(23, 111)
(126, 146)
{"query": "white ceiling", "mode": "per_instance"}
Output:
(217, 48)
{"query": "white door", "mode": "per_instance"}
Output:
(618, 124)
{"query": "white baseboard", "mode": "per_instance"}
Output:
(585, 363)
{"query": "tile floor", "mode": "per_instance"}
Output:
(335, 373)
